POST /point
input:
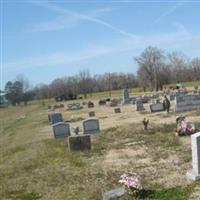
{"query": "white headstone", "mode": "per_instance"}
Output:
(194, 173)
(91, 126)
(61, 130)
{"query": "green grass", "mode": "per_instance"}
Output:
(159, 193)
(187, 84)
(36, 167)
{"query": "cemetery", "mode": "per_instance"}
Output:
(137, 140)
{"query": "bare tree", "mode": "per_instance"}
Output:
(195, 68)
(150, 62)
(85, 83)
(178, 65)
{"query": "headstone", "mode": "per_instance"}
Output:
(56, 117)
(74, 106)
(117, 110)
(194, 173)
(114, 194)
(91, 126)
(126, 98)
(157, 107)
(92, 114)
(139, 105)
(90, 104)
(171, 97)
(79, 143)
(187, 102)
(102, 102)
(113, 102)
(145, 99)
(61, 130)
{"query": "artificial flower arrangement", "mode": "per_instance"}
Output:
(184, 127)
(132, 183)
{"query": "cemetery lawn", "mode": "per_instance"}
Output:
(34, 165)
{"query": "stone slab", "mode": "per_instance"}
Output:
(194, 173)
(157, 107)
(114, 194)
(91, 126)
(79, 143)
(61, 130)
(187, 102)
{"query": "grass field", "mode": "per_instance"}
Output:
(36, 167)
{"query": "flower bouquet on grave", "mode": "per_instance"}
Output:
(186, 128)
(132, 183)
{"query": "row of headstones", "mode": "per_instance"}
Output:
(80, 142)
(156, 106)
(126, 99)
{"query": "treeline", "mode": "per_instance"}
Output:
(155, 69)
(83, 83)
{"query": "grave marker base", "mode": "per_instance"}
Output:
(193, 175)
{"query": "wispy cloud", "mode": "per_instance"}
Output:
(177, 40)
(168, 12)
(58, 58)
(68, 18)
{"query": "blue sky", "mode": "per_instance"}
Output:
(45, 40)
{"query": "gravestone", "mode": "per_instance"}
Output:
(145, 99)
(92, 114)
(139, 105)
(55, 118)
(61, 130)
(171, 97)
(187, 102)
(74, 106)
(79, 143)
(157, 107)
(113, 102)
(62, 106)
(102, 102)
(91, 126)
(117, 110)
(194, 173)
(126, 98)
(90, 104)
(114, 194)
